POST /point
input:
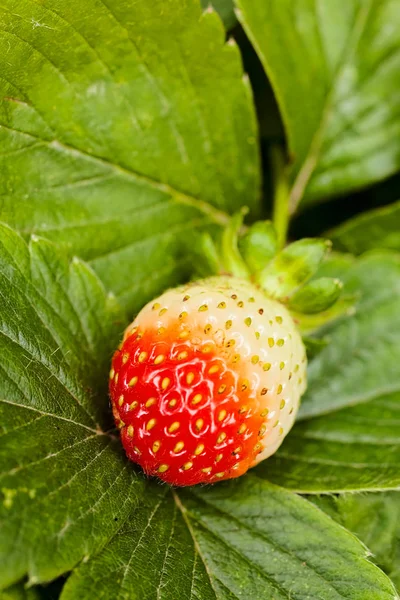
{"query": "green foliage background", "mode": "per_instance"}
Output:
(127, 128)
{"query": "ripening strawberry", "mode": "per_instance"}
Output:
(207, 381)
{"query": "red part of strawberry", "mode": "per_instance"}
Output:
(207, 381)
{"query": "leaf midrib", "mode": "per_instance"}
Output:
(265, 576)
(42, 459)
(349, 402)
(333, 462)
(196, 546)
(49, 368)
(128, 564)
(216, 215)
(171, 535)
(311, 160)
(53, 416)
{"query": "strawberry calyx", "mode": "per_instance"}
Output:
(287, 275)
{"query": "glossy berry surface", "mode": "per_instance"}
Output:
(207, 381)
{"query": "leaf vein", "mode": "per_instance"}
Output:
(47, 414)
(128, 564)
(311, 159)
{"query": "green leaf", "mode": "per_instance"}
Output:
(316, 296)
(375, 519)
(244, 539)
(225, 10)
(379, 228)
(259, 245)
(356, 448)
(65, 486)
(362, 359)
(133, 110)
(292, 267)
(335, 70)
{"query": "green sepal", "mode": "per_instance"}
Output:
(205, 257)
(232, 261)
(314, 345)
(292, 267)
(316, 296)
(309, 324)
(259, 245)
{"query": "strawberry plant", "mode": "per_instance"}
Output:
(173, 171)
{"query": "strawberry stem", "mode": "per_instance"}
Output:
(232, 260)
(280, 213)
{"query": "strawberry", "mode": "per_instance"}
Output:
(207, 381)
